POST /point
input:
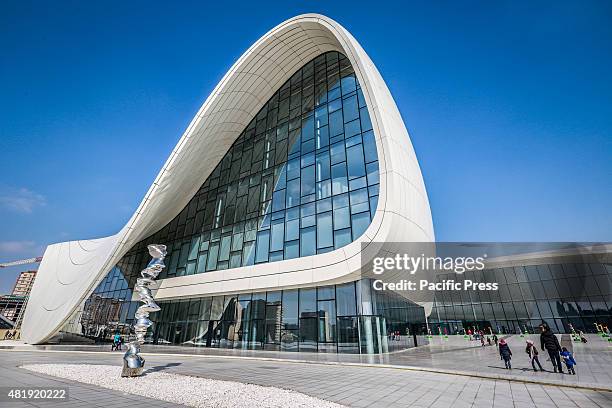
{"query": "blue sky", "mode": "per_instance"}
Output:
(509, 107)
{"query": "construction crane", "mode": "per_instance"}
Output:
(21, 262)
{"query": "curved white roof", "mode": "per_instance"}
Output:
(69, 271)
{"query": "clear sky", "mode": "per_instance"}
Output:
(508, 104)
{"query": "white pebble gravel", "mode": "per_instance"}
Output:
(182, 389)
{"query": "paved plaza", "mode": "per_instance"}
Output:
(452, 355)
(348, 383)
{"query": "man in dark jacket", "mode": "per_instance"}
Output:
(550, 343)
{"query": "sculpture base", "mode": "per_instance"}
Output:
(131, 372)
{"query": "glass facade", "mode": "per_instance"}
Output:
(347, 318)
(301, 179)
(564, 295)
(353, 318)
(337, 318)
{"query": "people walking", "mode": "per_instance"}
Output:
(532, 352)
(505, 353)
(116, 340)
(569, 361)
(550, 343)
(495, 339)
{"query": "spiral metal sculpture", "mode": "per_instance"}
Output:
(133, 364)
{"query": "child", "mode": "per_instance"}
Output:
(532, 352)
(505, 353)
(569, 361)
(116, 339)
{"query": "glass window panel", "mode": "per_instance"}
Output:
(236, 259)
(352, 128)
(191, 268)
(348, 84)
(324, 205)
(366, 123)
(292, 230)
(324, 230)
(336, 125)
(359, 224)
(278, 233)
(369, 147)
(213, 255)
(323, 166)
(308, 302)
(307, 160)
(351, 112)
(327, 321)
(346, 303)
(278, 200)
(358, 183)
(195, 245)
(320, 117)
(248, 253)
(308, 241)
(292, 249)
(308, 128)
(290, 307)
(293, 193)
(308, 334)
(263, 246)
(338, 153)
(308, 180)
(184, 255)
(324, 189)
(322, 137)
(342, 238)
(342, 218)
(237, 241)
(224, 249)
(339, 179)
(372, 171)
(326, 292)
(334, 105)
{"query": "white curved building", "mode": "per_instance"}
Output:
(296, 161)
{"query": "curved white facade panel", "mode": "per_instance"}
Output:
(70, 271)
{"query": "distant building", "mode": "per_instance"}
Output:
(24, 283)
(12, 306)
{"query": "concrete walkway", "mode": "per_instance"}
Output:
(351, 385)
(454, 355)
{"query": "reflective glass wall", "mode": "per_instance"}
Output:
(301, 179)
(348, 318)
(564, 295)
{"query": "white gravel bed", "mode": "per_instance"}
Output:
(182, 389)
